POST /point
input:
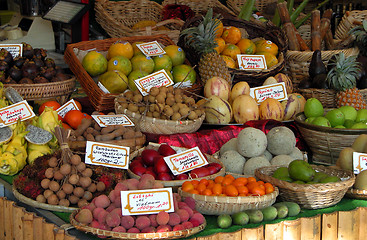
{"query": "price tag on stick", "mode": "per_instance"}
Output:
(277, 91)
(9, 115)
(186, 161)
(70, 105)
(359, 162)
(251, 62)
(107, 120)
(156, 79)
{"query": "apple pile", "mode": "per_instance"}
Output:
(151, 162)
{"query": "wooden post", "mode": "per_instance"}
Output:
(18, 214)
(38, 228)
(315, 30)
(288, 26)
(274, 231)
(8, 219)
(348, 225)
(311, 227)
(28, 226)
(292, 229)
(362, 223)
(253, 233)
(2, 218)
(325, 22)
(329, 226)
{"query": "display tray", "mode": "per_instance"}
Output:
(234, 124)
(357, 194)
(36, 204)
(120, 235)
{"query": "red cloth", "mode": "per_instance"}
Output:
(210, 141)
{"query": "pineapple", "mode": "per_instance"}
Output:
(343, 78)
(360, 32)
(202, 40)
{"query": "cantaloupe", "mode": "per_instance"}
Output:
(281, 160)
(251, 142)
(281, 140)
(233, 161)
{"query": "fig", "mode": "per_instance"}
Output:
(15, 73)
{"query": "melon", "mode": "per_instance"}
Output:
(271, 108)
(281, 77)
(301, 100)
(217, 111)
(251, 142)
(217, 86)
(281, 140)
(245, 109)
(291, 106)
(269, 81)
(240, 88)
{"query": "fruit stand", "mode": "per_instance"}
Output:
(191, 121)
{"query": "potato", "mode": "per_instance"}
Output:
(251, 142)
(281, 160)
(230, 145)
(281, 140)
(254, 163)
(233, 161)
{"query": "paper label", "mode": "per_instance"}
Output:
(103, 88)
(186, 161)
(359, 162)
(9, 115)
(156, 79)
(106, 120)
(14, 49)
(149, 201)
(151, 48)
(276, 91)
(251, 62)
(70, 105)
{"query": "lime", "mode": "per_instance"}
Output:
(240, 218)
(348, 123)
(310, 119)
(321, 121)
(359, 125)
(299, 182)
(284, 178)
(349, 112)
(313, 108)
(120, 63)
(335, 117)
(162, 62)
(224, 221)
(361, 115)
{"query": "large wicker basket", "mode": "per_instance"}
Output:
(326, 143)
(118, 17)
(350, 20)
(310, 196)
(235, 5)
(217, 205)
(254, 29)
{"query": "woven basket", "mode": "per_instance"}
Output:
(41, 91)
(175, 183)
(217, 205)
(102, 101)
(235, 5)
(120, 235)
(310, 196)
(357, 194)
(350, 20)
(326, 143)
(118, 18)
(254, 29)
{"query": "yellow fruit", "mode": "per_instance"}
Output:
(231, 50)
(136, 49)
(144, 24)
(176, 54)
(221, 44)
(162, 62)
(120, 63)
(246, 46)
(183, 72)
(266, 46)
(115, 81)
(120, 49)
(94, 63)
(231, 35)
(229, 61)
(270, 59)
(142, 63)
(134, 75)
(219, 29)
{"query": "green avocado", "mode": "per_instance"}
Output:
(319, 176)
(301, 170)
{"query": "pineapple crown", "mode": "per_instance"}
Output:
(202, 37)
(344, 72)
(360, 32)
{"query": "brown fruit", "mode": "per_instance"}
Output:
(45, 183)
(54, 186)
(78, 192)
(49, 173)
(67, 188)
(74, 179)
(52, 162)
(65, 169)
(75, 159)
(58, 175)
(101, 186)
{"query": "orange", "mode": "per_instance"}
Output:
(269, 188)
(257, 191)
(74, 118)
(219, 179)
(136, 50)
(217, 189)
(229, 61)
(246, 46)
(219, 28)
(220, 44)
(204, 181)
(52, 104)
(142, 63)
(231, 50)
(78, 104)
(195, 182)
(120, 48)
(270, 59)
(229, 176)
(227, 181)
(120, 63)
(231, 191)
(66, 126)
(241, 181)
(231, 35)
(187, 186)
(252, 185)
(242, 190)
(210, 184)
(200, 188)
(251, 179)
(260, 182)
(266, 46)
(94, 63)
(207, 192)
(193, 191)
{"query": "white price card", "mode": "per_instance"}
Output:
(186, 161)
(9, 115)
(359, 162)
(106, 120)
(108, 155)
(156, 79)
(103, 88)
(148, 201)
(14, 49)
(276, 91)
(70, 105)
(151, 48)
(251, 62)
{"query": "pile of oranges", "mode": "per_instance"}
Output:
(228, 186)
(230, 43)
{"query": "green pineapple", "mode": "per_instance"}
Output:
(343, 78)
(360, 33)
(202, 40)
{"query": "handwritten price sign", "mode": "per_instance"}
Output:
(9, 115)
(106, 120)
(14, 49)
(186, 161)
(276, 91)
(151, 201)
(107, 155)
(156, 79)
(70, 105)
(151, 48)
(359, 162)
(251, 62)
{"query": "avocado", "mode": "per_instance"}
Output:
(301, 170)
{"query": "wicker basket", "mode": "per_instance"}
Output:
(41, 91)
(118, 17)
(357, 194)
(254, 29)
(235, 5)
(119, 235)
(175, 183)
(102, 101)
(326, 143)
(217, 205)
(310, 196)
(350, 20)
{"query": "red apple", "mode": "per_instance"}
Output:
(166, 150)
(139, 170)
(161, 166)
(148, 156)
(199, 172)
(164, 177)
(182, 176)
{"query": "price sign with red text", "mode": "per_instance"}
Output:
(118, 119)
(151, 48)
(9, 115)
(156, 79)
(186, 161)
(15, 49)
(276, 91)
(251, 62)
(148, 201)
(359, 162)
(70, 105)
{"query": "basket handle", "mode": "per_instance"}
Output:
(148, 30)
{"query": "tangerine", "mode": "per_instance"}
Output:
(187, 186)
(207, 192)
(51, 104)
(142, 63)
(162, 62)
(269, 188)
(241, 181)
(251, 179)
(74, 118)
(266, 46)
(78, 104)
(119, 63)
(227, 181)
(183, 72)
(195, 182)
(217, 189)
(246, 46)
(204, 181)
(65, 125)
(229, 176)
(231, 51)
(219, 179)
(200, 188)
(120, 49)
(220, 44)
(231, 34)
(136, 50)
(193, 191)
(210, 184)
(242, 190)
(257, 191)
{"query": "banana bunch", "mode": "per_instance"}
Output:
(13, 154)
